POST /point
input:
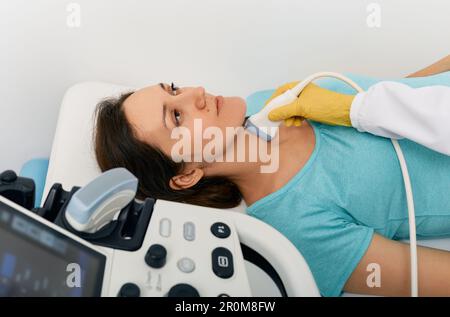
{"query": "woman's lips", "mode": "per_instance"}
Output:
(219, 103)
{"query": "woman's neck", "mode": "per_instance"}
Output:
(295, 146)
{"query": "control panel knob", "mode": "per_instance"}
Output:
(183, 290)
(156, 256)
(8, 176)
(129, 290)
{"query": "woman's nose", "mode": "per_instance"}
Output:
(193, 96)
(198, 97)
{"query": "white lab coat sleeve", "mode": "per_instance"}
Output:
(395, 110)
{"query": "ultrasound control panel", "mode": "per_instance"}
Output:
(187, 251)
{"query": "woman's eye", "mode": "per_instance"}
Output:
(177, 116)
(173, 88)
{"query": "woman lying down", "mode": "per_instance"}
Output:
(336, 194)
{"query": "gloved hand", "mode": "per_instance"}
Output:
(294, 120)
(315, 103)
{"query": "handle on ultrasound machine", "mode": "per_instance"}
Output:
(292, 268)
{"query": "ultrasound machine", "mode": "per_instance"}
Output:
(98, 240)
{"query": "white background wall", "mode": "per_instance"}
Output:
(232, 47)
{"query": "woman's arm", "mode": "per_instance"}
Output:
(440, 66)
(394, 262)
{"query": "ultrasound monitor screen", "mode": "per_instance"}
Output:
(36, 260)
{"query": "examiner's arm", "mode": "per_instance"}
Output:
(394, 262)
(395, 110)
(326, 106)
(387, 109)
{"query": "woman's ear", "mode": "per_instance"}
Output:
(187, 179)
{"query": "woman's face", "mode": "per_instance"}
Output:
(155, 111)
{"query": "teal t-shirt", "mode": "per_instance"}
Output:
(351, 187)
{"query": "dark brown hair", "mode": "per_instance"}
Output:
(116, 145)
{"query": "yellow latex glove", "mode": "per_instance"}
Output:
(295, 120)
(315, 103)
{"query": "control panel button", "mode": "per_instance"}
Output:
(129, 290)
(165, 227)
(156, 256)
(186, 265)
(189, 231)
(222, 262)
(220, 230)
(183, 290)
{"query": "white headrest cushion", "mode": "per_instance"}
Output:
(72, 160)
